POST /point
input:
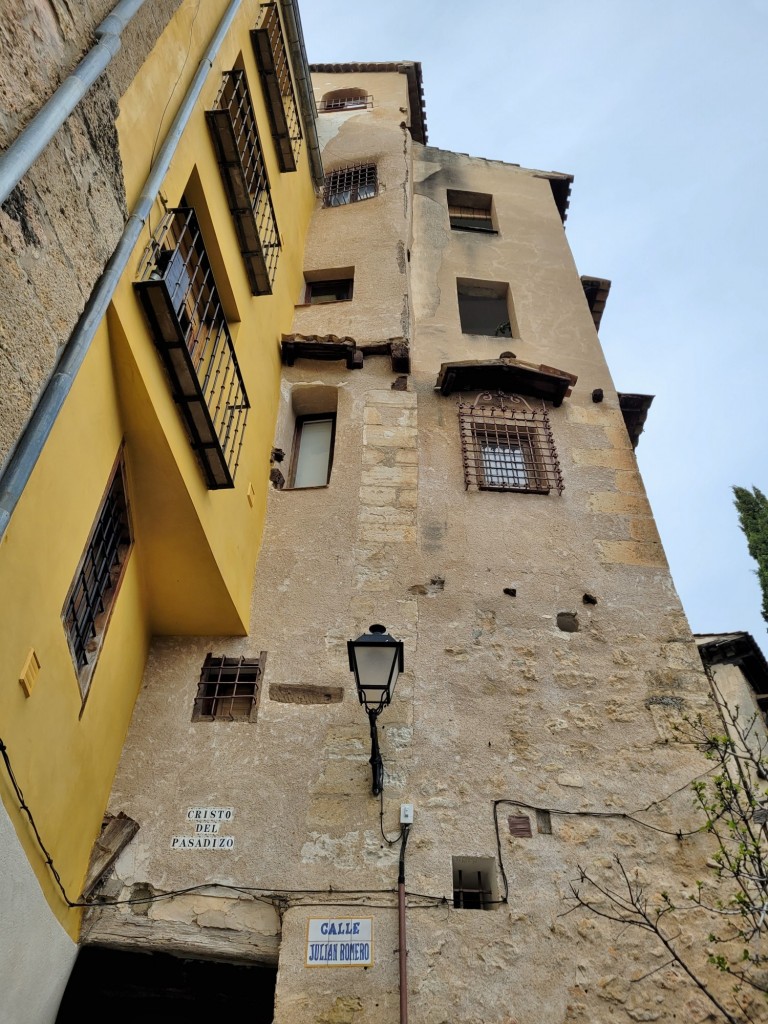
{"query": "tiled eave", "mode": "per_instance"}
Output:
(737, 649)
(596, 291)
(512, 376)
(330, 347)
(410, 68)
(634, 409)
(561, 190)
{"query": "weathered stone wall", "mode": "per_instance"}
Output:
(62, 222)
(499, 711)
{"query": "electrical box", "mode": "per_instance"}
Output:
(406, 814)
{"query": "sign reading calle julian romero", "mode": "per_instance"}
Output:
(340, 942)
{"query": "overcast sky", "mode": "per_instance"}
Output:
(659, 110)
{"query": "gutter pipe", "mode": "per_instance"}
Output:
(401, 937)
(18, 469)
(28, 146)
(306, 95)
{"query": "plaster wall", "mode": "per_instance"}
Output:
(35, 967)
(498, 712)
(372, 236)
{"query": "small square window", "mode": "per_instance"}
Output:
(474, 883)
(228, 689)
(484, 308)
(507, 448)
(313, 450)
(470, 211)
(320, 293)
(350, 184)
(88, 605)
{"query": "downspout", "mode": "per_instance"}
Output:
(28, 146)
(20, 465)
(401, 937)
(300, 64)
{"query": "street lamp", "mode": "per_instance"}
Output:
(376, 658)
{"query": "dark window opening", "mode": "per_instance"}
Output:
(350, 184)
(474, 883)
(228, 689)
(484, 308)
(90, 599)
(321, 292)
(470, 211)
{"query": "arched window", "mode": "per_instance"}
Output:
(345, 99)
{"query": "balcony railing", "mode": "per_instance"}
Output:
(179, 297)
(275, 71)
(241, 160)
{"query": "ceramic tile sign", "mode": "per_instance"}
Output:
(339, 942)
(207, 823)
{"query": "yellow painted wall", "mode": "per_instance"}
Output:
(192, 562)
(232, 527)
(65, 763)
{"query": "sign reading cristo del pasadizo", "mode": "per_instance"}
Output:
(339, 942)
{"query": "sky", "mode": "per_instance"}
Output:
(659, 111)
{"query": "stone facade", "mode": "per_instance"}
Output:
(547, 657)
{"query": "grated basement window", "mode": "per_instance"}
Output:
(508, 449)
(228, 689)
(94, 588)
(473, 885)
(350, 184)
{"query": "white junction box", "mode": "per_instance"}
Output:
(406, 814)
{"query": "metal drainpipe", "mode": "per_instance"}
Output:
(402, 941)
(28, 146)
(18, 469)
(307, 97)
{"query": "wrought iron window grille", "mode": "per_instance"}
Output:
(350, 184)
(183, 307)
(94, 588)
(228, 689)
(325, 106)
(235, 135)
(507, 445)
(277, 82)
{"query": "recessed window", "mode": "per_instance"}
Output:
(228, 689)
(91, 597)
(470, 211)
(350, 184)
(474, 883)
(508, 446)
(321, 292)
(313, 450)
(484, 308)
(344, 99)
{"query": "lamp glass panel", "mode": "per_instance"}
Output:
(376, 664)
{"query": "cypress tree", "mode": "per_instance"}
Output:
(752, 507)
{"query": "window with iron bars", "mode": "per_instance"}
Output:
(275, 72)
(241, 160)
(350, 184)
(229, 689)
(91, 596)
(344, 99)
(508, 446)
(473, 883)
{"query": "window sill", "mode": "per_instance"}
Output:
(474, 231)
